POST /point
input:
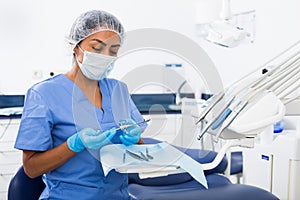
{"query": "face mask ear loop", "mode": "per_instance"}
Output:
(80, 48)
(77, 56)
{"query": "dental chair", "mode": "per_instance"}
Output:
(236, 165)
(175, 186)
(22, 187)
(183, 186)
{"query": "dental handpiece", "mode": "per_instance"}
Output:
(125, 126)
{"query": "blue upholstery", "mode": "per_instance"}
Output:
(22, 187)
(236, 162)
(172, 179)
(182, 186)
(220, 188)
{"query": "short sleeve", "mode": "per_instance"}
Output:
(36, 124)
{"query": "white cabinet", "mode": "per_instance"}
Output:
(275, 166)
(10, 158)
(261, 174)
(177, 129)
(164, 127)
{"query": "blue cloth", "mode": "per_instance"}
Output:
(54, 110)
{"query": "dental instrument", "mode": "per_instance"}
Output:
(143, 155)
(209, 104)
(148, 155)
(230, 119)
(214, 100)
(291, 99)
(287, 84)
(140, 156)
(209, 124)
(124, 157)
(125, 126)
(280, 79)
(227, 110)
(286, 92)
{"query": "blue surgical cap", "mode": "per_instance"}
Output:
(92, 22)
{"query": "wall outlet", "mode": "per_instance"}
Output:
(43, 74)
(37, 74)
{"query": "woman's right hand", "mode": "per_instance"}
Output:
(89, 138)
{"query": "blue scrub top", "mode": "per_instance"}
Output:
(54, 110)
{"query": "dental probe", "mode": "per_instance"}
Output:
(122, 127)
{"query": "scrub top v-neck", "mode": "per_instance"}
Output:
(54, 110)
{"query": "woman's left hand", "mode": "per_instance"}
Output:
(132, 134)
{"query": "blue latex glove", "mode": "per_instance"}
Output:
(89, 138)
(131, 135)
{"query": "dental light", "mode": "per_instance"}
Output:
(218, 25)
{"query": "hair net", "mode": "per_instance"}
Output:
(92, 22)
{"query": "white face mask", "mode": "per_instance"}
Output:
(96, 66)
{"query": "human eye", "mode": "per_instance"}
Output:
(113, 53)
(98, 49)
(114, 50)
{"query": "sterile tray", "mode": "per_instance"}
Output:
(149, 160)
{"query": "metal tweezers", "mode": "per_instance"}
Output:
(140, 156)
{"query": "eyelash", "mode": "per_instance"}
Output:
(100, 49)
(113, 52)
(97, 49)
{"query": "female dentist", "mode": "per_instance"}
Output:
(69, 117)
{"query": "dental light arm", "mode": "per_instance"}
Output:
(253, 103)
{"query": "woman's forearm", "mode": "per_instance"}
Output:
(141, 141)
(37, 163)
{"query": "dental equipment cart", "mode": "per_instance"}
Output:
(275, 166)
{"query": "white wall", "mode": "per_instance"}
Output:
(32, 33)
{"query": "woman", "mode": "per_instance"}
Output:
(69, 117)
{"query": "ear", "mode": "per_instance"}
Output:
(75, 50)
(77, 55)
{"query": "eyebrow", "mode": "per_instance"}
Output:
(115, 45)
(101, 42)
(104, 44)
